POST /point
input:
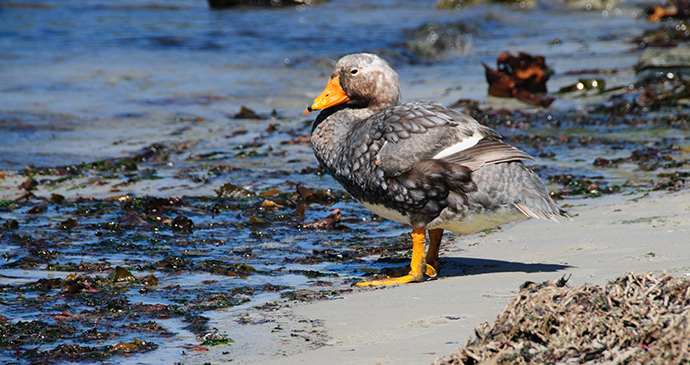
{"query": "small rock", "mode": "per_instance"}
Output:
(246, 113)
(667, 60)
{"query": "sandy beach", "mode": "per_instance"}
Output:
(417, 323)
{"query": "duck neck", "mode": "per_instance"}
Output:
(333, 133)
(338, 120)
(341, 117)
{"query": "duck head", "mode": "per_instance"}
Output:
(360, 80)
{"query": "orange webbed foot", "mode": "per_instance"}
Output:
(431, 271)
(418, 266)
(392, 281)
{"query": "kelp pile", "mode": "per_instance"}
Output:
(635, 319)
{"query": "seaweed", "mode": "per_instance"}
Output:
(635, 319)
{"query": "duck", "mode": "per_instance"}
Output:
(419, 163)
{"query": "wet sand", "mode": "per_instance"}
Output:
(417, 323)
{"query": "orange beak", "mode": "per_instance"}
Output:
(332, 95)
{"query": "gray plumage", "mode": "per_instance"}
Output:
(422, 163)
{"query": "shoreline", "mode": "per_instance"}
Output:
(417, 323)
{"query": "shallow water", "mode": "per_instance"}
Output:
(82, 81)
(95, 73)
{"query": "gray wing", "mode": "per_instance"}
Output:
(428, 130)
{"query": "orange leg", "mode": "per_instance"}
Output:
(417, 265)
(432, 265)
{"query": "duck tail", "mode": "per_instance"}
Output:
(551, 215)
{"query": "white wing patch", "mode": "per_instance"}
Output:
(461, 146)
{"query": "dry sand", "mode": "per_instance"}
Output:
(416, 323)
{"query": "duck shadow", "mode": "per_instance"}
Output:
(464, 266)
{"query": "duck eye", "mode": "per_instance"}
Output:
(354, 71)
